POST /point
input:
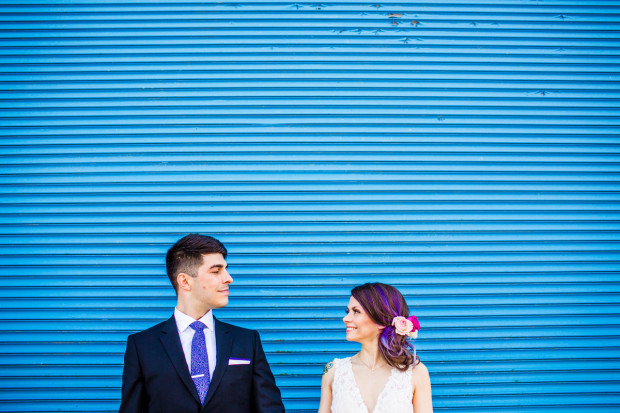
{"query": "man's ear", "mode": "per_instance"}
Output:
(183, 281)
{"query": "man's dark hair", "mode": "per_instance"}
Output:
(186, 255)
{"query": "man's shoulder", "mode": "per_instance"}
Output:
(235, 329)
(150, 332)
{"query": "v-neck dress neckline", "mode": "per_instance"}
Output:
(358, 392)
(395, 397)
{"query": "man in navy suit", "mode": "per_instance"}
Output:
(194, 363)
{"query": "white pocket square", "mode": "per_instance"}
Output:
(236, 362)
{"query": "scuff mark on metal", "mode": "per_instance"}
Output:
(393, 17)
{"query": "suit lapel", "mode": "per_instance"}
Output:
(223, 344)
(172, 344)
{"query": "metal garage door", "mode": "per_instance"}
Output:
(465, 151)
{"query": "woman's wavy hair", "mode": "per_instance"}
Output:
(382, 303)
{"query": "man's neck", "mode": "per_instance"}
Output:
(192, 311)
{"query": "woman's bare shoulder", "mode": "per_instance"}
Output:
(328, 371)
(419, 374)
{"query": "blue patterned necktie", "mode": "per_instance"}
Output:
(200, 361)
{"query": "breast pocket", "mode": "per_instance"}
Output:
(238, 379)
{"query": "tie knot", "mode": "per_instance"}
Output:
(198, 326)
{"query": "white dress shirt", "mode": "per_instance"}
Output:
(186, 333)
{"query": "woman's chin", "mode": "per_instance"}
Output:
(351, 337)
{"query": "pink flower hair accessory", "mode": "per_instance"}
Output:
(406, 326)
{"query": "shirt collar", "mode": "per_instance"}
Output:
(183, 320)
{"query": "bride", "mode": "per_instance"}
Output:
(386, 376)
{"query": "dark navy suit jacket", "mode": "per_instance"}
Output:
(156, 378)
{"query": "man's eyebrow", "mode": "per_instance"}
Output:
(218, 266)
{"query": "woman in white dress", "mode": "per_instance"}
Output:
(386, 376)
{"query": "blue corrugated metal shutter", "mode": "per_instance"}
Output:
(465, 151)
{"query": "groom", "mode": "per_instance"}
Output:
(194, 363)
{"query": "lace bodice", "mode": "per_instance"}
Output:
(395, 397)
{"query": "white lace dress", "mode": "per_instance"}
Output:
(395, 397)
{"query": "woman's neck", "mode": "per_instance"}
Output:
(370, 355)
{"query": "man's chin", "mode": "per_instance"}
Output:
(221, 303)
